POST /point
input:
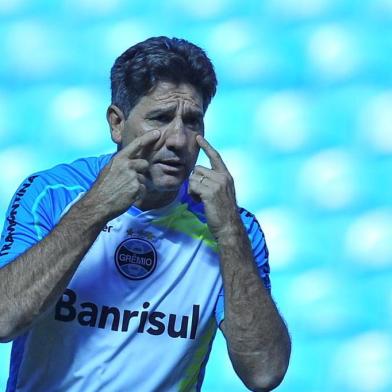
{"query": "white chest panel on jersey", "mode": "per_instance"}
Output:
(137, 313)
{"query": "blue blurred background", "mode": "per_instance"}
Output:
(303, 118)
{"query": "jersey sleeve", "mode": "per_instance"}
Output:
(260, 254)
(27, 220)
(41, 200)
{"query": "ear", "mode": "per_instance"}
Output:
(116, 121)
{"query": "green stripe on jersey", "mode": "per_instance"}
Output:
(184, 221)
(188, 384)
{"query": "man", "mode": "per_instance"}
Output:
(116, 270)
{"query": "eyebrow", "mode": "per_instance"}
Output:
(170, 109)
(194, 112)
(155, 112)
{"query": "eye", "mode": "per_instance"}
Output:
(162, 118)
(194, 121)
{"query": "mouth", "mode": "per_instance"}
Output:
(171, 165)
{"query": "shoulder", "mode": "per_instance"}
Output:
(81, 172)
(253, 228)
(249, 220)
(53, 189)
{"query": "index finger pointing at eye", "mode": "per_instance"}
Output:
(213, 155)
(141, 142)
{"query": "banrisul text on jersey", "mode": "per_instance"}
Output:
(89, 314)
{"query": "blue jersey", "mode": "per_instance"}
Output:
(143, 306)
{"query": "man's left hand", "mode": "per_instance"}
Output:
(215, 188)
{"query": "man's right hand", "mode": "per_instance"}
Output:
(122, 181)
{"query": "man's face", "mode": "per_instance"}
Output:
(177, 112)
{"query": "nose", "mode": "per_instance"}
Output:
(176, 135)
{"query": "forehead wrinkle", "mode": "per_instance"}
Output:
(176, 98)
(184, 106)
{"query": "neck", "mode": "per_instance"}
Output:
(153, 200)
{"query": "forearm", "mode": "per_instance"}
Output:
(257, 338)
(35, 280)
